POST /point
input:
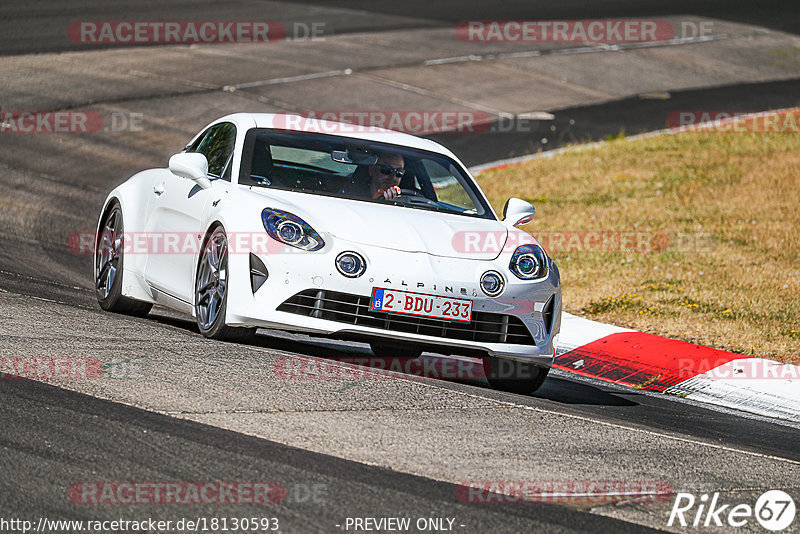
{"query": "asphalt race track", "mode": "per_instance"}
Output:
(173, 406)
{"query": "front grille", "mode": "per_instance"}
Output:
(354, 309)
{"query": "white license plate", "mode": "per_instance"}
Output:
(408, 303)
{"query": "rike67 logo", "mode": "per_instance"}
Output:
(774, 510)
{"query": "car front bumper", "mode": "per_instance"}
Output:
(534, 305)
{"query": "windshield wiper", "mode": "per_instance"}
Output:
(423, 206)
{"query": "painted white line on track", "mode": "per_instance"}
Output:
(633, 429)
(598, 48)
(434, 94)
(588, 49)
(289, 79)
(434, 383)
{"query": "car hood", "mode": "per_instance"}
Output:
(394, 227)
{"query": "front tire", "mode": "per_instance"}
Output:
(108, 266)
(211, 290)
(514, 376)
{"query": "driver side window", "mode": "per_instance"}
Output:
(217, 146)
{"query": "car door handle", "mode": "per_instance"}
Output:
(159, 189)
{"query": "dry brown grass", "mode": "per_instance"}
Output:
(729, 204)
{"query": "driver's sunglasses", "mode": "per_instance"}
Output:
(388, 169)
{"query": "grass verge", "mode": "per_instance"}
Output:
(692, 235)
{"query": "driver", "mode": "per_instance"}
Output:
(385, 176)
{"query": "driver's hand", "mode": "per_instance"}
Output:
(389, 193)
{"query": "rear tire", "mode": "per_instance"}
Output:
(514, 376)
(108, 266)
(211, 290)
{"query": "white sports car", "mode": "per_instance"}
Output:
(329, 229)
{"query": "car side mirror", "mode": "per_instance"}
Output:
(518, 212)
(192, 166)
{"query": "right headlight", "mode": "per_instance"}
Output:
(529, 262)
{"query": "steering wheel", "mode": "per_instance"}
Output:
(411, 193)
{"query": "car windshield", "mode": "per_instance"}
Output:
(356, 169)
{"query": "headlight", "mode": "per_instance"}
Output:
(492, 283)
(351, 264)
(529, 262)
(291, 230)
